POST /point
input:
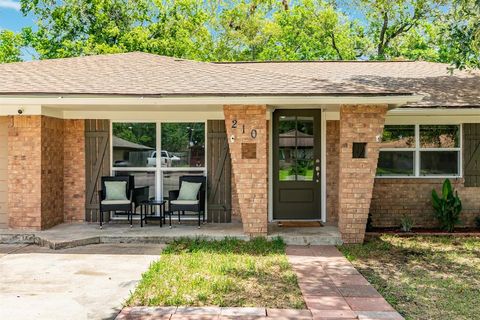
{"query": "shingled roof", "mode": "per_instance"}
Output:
(142, 74)
(437, 82)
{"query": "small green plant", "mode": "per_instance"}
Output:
(406, 223)
(477, 222)
(447, 207)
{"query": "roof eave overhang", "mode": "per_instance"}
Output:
(393, 100)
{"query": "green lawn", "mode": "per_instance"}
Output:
(229, 273)
(423, 277)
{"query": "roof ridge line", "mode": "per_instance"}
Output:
(318, 61)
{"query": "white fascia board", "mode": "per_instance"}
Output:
(433, 116)
(27, 109)
(52, 101)
(434, 111)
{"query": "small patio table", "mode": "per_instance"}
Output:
(147, 206)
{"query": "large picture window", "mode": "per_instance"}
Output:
(420, 151)
(158, 153)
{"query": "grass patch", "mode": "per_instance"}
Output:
(227, 273)
(423, 277)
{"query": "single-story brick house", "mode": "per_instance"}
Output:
(319, 140)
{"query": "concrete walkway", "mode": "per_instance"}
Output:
(333, 288)
(89, 282)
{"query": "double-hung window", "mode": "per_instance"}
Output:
(420, 151)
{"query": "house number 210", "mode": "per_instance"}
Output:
(253, 133)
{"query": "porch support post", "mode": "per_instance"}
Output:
(363, 124)
(246, 127)
(45, 171)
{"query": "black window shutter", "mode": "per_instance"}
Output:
(471, 154)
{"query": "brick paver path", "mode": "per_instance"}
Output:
(333, 288)
(210, 313)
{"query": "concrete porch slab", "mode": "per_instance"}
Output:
(72, 235)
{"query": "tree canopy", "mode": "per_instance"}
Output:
(233, 30)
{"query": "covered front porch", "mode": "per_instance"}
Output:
(320, 174)
(68, 235)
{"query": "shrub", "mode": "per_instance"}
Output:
(447, 207)
(406, 223)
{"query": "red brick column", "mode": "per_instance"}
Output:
(46, 171)
(24, 172)
(52, 172)
(358, 123)
(249, 164)
(74, 171)
(332, 157)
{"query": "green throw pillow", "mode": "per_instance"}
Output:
(116, 190)
(189, 191)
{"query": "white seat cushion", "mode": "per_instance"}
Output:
(115, 202)
(184, 202)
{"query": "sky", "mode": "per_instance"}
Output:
(11, 17)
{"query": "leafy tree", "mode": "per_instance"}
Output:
(460, 34)
(179, 28)
(390, 20)
(10, 46)
(76, 27)
(243, 29)
(230, 30)
(313, 30)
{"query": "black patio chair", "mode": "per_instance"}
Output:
(124, 206)
(197, 205)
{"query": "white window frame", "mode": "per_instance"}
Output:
(417, 149)
(158, 169)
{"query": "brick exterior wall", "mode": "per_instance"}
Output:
(393, 198)
(74, 171)
(332, 157)
(38, 191)
(358, 123)
(249, 175)
(24, 172)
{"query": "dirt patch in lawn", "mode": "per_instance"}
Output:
(423, 277)
(227, 273)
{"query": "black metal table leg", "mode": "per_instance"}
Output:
(160, 212)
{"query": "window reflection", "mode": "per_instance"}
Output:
(296, 148)
(395, 163)
(439, 163)
(439, 136)
(133, 144)
(395, 136)
(183, 145)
